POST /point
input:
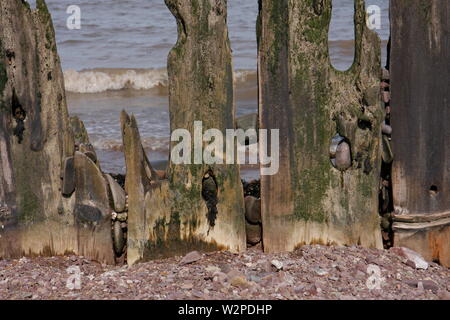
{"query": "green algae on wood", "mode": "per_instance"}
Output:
(309, 101)
(41, 220)
(175, 214)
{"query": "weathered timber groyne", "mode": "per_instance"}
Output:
(54, 198)
(321, 113)
(334, 145)
(421, 126)
(200, 206)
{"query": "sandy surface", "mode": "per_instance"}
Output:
(313, 272)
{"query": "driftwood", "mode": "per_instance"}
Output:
(317, 108)
(421, 123)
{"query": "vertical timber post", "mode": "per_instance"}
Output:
(201, 89)
(53, 199)
(421, 126)
(200, 206)
(315, 198)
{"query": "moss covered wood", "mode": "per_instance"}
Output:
(310, 102)
(200, 89)
(35, 142)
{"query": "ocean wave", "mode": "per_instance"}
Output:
(150, 144)
(101, 80)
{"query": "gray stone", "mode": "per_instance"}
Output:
(254, 233)
(386, 75)
(118, 238)
(68, 184)
(91, 185)
(253, 210)
(277, 264)
(321, 272)
(386, 96)
(423, 285)
(444, 295)
(417, 261)
(386, 129)
(430, 285)
(191, 257)
(117, 194)
(343, 156)
(86, 214)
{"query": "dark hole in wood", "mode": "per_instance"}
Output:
(10, 55)
(364, 124)
(209, 194)
(19, 115)
(434, 190)
(367, 166)
(318, 7)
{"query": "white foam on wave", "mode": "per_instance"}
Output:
(101, 80)
(156, 144)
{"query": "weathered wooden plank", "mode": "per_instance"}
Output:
(200, 206)
(35, 142)
(421, 117)
(201, 89)
(302, 95)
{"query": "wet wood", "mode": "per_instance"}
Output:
(302, 95)
(199, 207)
(56, 201)
(421, 121)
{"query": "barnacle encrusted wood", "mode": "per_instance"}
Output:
(313, 104)
(421, 123)
(53, 201)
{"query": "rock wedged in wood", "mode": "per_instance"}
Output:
(118, 239)
(254, 233)
(117, 194)
(68, 177)
(253, 209)
(92, 187)
(301, 94)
